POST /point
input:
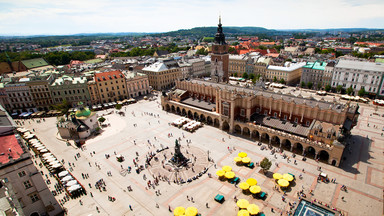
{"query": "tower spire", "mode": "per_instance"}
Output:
(220, 19)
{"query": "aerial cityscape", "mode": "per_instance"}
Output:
(188, 118)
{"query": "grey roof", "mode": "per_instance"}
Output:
(289, 98)
(360, 65)
(200, 104)
(282, 125)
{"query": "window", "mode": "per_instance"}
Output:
(329, 136)
(34, 197)
(285, 117)
(242, 112)
(22, 173)
(296, 120)
(307, 123)
(275, 114)
(265, 112)
(27, 184)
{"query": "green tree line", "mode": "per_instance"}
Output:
(54, 58)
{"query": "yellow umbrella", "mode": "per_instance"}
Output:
(277, 176)
(179, 211)
(227, 168)
(242, 203)
(255, 189)
(288, 177)
(243, 212)
(220, 173)
(253, 209)
(242, 154)
(237, 159)
(229, 175)
(283, 183)
(251, 181)
(244, 185)
(246, 160)
(191, 211)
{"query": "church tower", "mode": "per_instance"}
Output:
(219, 57)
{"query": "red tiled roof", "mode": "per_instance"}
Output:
(75, 62)
(10, 147)
(110, 75)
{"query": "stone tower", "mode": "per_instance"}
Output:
(219, 57)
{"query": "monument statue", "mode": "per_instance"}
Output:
(178, 158)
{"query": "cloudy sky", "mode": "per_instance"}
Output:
(31, 17)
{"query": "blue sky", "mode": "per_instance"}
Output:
(31, 17)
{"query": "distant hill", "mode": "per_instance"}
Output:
(211, 31)
(331, 30)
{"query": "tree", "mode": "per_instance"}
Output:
(265, 164)
(235, 74)
(101, 119)
(327, 88)
(309, 85)
(349, 90)
(274, 79)
(118, 106)
(361, 92)
(282, 81)
(319, 86)
(258, 77)
(232, 50)
(245, 75)
(339, 88)
(251, 76)
(302, 85)
(201, 52)
(63, 106)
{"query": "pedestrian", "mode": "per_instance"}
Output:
(206, 204)
(130, 207)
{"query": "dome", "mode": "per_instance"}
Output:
(83, 113)
(82, 128)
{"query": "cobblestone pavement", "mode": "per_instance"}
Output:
(362, 170)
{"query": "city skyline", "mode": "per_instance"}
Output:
(71, 17)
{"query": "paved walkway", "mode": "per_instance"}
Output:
(362, 170)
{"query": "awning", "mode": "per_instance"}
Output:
(22, 114)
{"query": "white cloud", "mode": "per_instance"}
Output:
(75, 16)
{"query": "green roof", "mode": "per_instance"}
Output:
(316, 65)
(379, 60)
(34, 63)
(94, 61)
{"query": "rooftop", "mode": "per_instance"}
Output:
(316, 65)
(286, 126)
(287, 67)
(323, 105)
(9, 148)
(360, 65)
(156, 67)
(34, 63)
(110, 75)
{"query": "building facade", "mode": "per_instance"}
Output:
(18, 170)
(290, 73)
(220, 57)
(40, 93)
(162, 75)
(314, 72)
(111, 86)
(282, 120)
(71, 89)
(19, 97)
(358, 75)
(137, 84)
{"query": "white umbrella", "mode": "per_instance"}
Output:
(51, 159)
(74, 187)
(63, 173)
(67, 178)
(47, 154)
(70, 183)
(43, 150)
(56, 165)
